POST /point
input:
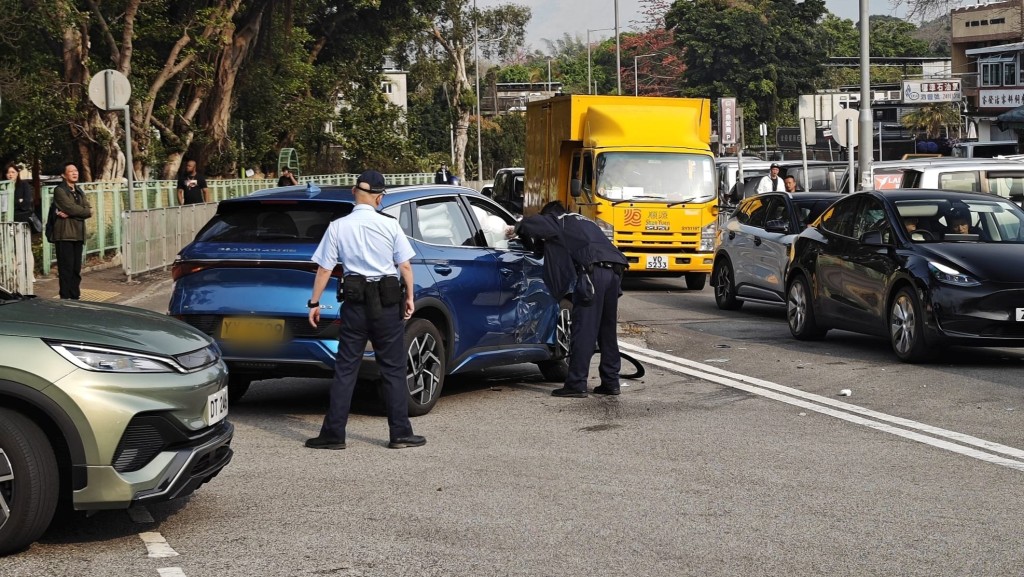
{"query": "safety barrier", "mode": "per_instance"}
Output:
(16, 257)
(149, 240)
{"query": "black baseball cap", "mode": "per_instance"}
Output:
(373, 180)
(774, 165)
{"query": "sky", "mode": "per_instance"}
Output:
(553, 18)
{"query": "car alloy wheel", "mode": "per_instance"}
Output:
(557, 369)
(906, 327)
(800, 311)
(425, 365)
(29, 481)
(725, 287)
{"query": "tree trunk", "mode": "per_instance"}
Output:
(216, 116)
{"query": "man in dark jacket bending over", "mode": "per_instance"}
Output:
(578, 254)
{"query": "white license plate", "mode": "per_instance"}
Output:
(217, 406)
(657, 262)
(1020, 315)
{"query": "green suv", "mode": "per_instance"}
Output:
(102, 407)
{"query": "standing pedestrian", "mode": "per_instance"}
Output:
(442, 176)
(577, 251)
(192, 186)
(69, 231)
(24, 197)
(373, 251)
(772, 182)
(287, 177)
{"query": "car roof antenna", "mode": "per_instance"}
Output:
(312, 190)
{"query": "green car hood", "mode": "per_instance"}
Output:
(99, 324)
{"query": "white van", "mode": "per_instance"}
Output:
(991, 175)
(989, 149)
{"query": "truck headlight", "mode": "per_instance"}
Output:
(606, 228)
(707, 237)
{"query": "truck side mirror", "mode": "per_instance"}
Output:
(574, 187)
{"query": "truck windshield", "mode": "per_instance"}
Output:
(655, 177)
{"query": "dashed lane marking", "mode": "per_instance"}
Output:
(935, 436)
(171, 572)
(157, 545)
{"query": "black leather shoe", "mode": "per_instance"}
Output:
(323, 442)
(406, 442)
(573, 393)
(603, 390)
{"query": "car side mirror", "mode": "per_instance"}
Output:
(872, 238)
(487, 191)
(516, 244)
(574, 187)
(778, 226)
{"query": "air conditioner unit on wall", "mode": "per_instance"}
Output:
(895, 95)
(852, 97)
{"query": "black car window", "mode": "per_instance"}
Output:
(776, 211)
(278, 222)
(756, 211)
(587, 178)
(747, 208)
(442, 222)
(838, 219)
(870, 217)
(809, 209)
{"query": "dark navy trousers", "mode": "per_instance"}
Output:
(595, 325)
(387, 334)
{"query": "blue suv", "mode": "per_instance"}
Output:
(480, 298)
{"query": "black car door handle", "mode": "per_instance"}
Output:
(732, 235)
(442, 269)
(757, 241)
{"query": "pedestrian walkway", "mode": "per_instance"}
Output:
(107, 283)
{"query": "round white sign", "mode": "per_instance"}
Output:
(110, 90)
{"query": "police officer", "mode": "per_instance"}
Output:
(576, 250)
(373, 251)
(442, 176)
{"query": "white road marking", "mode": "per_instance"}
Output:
(880, 421)
(140, 514)
(171, 572)
(157, 545)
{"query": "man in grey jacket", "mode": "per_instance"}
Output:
(69, 232)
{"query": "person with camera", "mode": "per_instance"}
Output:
(373, 253)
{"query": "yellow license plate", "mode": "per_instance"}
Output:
(252, 330)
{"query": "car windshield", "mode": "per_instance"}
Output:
(962, 220)
(655, 177)
(272, 221)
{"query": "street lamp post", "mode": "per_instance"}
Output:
(589, 82)
(636, 83)
(479, 112)
(549, 74)
(618, 50)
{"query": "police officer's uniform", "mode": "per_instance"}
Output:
(577, 254)
(368, 245)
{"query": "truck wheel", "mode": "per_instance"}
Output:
(557, 369)
(29, 482)
(695, 281)
(425, 365)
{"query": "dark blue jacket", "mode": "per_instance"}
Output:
(569, 242)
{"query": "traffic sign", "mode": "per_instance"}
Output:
(110, 90)
(839, 127)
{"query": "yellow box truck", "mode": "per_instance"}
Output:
(641, 167)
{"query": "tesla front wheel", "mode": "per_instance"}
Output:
(800, 312)
(906, 327)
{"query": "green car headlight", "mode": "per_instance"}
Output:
(113, 360)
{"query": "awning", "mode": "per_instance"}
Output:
(1013, 118)
(1015, 47)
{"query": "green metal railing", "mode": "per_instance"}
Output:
(109, 199)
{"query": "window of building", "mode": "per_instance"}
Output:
(1009, 73)
(997, 21)
(991, 73)
(387, 87)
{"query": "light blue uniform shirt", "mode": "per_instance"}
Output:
(364, 242)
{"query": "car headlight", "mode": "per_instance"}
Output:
(113, 360)
(949, 275)
(707, 237)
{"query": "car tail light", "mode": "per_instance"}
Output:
(184, 268)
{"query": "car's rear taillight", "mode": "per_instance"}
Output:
(184, 268)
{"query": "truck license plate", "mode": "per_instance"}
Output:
(657, 262)
(217, 406)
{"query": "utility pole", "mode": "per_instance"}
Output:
(865, 121)
(618, 52)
